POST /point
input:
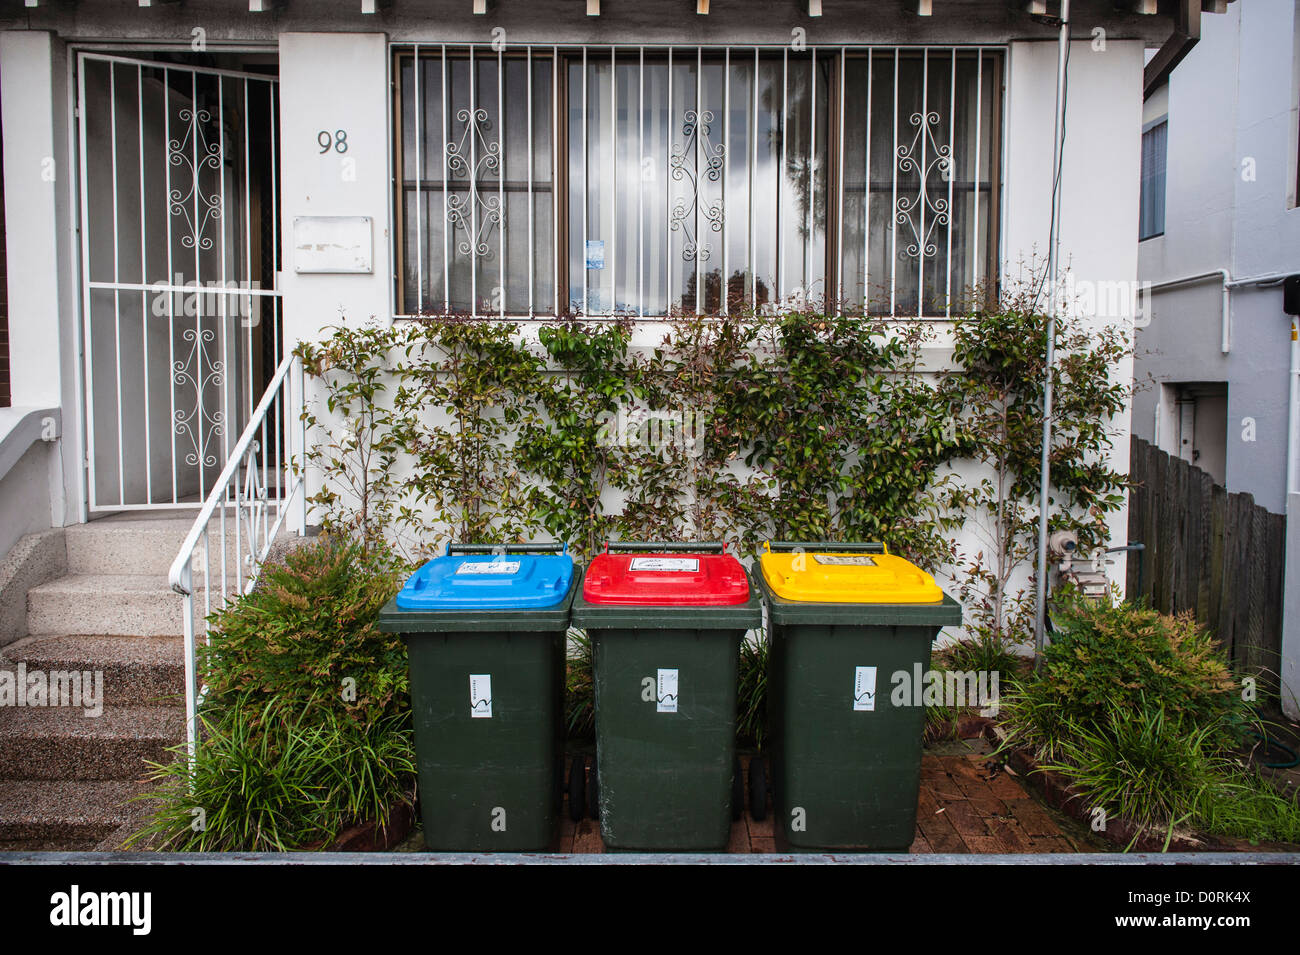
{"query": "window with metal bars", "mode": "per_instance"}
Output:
(645, 182)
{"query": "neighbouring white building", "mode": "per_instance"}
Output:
(1220, 229)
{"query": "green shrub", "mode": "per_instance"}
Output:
(306, 726)
(307, 627)
(277, 778)
(751, 693)
(579, 689)
(1140, 712)
(987, 651)
(1120, 656)
(1159, 772)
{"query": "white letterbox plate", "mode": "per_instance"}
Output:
(333, 244)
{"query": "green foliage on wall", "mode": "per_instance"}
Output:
(797, 426)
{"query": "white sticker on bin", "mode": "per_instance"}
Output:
(489, 567)
(666, 692)
(864, 688)
(688, 564)
(480, 695)
(844, 560)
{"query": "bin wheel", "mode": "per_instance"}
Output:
(577, 788)
(757, 789)
(737, 790)
(593, 794)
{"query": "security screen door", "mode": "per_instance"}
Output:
(179, 253)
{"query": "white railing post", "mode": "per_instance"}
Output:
(191, 674)
(251, 503)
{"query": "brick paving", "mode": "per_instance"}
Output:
(966, 805)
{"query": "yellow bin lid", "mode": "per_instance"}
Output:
(831, 577)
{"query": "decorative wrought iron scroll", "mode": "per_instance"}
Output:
(685, 162)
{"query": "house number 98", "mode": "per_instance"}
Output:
(338, 142)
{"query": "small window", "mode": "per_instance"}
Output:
(1155, 137)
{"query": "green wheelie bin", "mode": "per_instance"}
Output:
(666, 622)
(485, 629)
(845, 620)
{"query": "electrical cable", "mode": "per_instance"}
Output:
(1060, 161)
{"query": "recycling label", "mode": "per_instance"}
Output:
(864, 689)
(489, 567)
(666, 691)
(678, 564)
(480, 695)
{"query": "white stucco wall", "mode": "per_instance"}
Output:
(38, 178)
(1100, 183)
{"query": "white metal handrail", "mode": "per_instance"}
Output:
(248, 513)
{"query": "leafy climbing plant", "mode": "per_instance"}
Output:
(998, 387)
(354, 432)
(461, 380)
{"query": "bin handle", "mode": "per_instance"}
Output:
(710, 547)
(828, 547)
(454, 547)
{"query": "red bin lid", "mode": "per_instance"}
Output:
(679, 579)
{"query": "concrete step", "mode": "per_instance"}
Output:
(124, 545)
(69, 815)
(137, 671)
(64, 743)
(108, 604)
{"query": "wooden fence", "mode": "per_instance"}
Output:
(1213, 553)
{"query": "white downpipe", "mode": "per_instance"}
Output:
(1293, 413)
(1058, 163)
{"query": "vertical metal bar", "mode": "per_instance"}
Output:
(613, 190)
(866, 197)
(248, 255)
(418, 78)
(952, 175)
(223, 316)
(726, 170)
(699, 176)
(979, 146)
(144, 298)
(556, 159)
(668, 194)
(117, 277)
(171, 278)
(532, 266)
(225, 544)
(86, 309)
(780, 179)
(501, 172)
(276, 331)
(640, 183)
(191, 702)
(207, 573)
(922, 171)
(839, 175)
(893, 208)
(586, 187)
(753, 168)
(472, 136)
(812, 177)
(199, 443)
(237, 517)
(446, 191)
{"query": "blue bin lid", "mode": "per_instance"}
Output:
(488, 582)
